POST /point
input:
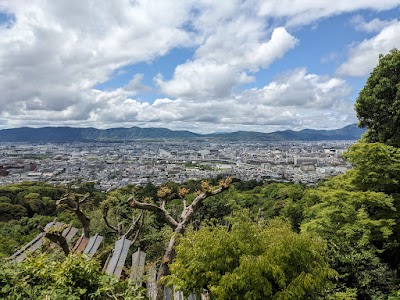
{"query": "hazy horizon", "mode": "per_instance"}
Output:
(207, 133)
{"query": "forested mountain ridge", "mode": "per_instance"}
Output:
(70, 134)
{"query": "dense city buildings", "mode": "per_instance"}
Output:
(112, 165)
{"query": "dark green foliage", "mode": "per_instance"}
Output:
(361, 270)
(247, 185)
(9, 212)
(265, 201)
(378, 105)
(149, 190)
(35, 198)
(16, 233)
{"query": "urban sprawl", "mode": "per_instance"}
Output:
(112, 165)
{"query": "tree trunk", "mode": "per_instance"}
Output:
(168, 257)
(85, 221)
(59, 240)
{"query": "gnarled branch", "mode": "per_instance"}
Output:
(135, 226)
(162, 212)
(57, 238)
(74, 205)
(105, 214)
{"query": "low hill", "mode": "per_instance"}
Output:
(70, 134)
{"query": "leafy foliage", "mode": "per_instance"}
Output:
(378, 105)
(376, 167)
(358, 217)
(26, 199)
(251, 260)
(74, 278)
(356, 225)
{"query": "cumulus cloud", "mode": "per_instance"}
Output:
(53, 54)
(56, 51)
(293, 100)
(363, 57)
(202, 78)
(225, 59)
(299, 89)
(235, 43)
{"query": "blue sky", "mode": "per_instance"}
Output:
(203, 66)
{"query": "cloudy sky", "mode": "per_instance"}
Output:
(201, 65)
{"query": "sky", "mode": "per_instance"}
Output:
(199, 65)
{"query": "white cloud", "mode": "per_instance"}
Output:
(55, 53)
(200, 78)
(293, 100)
(299, 89)
(363, 57)
(374, 25)
(136, 85)
(223, 60)
(301, 12)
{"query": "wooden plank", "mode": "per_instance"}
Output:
(178, 295)
(192, 297)
(48, 225)
(80, 245)
(167, 293)
(92, 245)
(117, 261)
(151, 286)
(32, 246)
(137, 270)
(69, 233)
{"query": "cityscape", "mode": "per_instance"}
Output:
(114, 165)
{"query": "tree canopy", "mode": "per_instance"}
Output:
(378, 105)
(251, 259)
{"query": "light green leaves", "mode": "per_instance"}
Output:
(251, 260)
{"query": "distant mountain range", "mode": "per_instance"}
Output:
(71, 134)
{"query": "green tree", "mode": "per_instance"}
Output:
(251, 260)
(356, 225)
(360, 217)
(378, 105)
(10, 212)
(376, 167)
(74, 278)
(177, 222)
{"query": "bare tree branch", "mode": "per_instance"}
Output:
(105, 214)
(178, 226)
(74, 205)
(162, 212)
(189, 211)
(71, 204)
(83, 200)
(135, 226)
